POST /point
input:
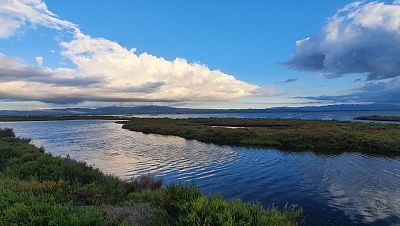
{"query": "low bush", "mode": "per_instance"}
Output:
(6, 132)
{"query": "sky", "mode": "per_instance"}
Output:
(199, 54)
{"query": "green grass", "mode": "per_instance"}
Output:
(37, 188)
(379, 118)
(284, 134)
(8, 118)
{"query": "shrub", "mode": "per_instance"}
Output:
(217, 211)
(146, 182)
(7, 132)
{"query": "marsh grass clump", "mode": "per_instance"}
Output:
(217, 211)
(37, 188)
(146, 182)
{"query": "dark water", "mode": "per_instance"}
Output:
(341, 189)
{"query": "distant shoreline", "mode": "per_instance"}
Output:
(167, 110)
(379, 118)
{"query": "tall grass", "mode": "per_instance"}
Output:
(37, 188)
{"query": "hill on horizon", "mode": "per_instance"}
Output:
(154, 109)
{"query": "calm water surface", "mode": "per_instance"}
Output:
(332, 189)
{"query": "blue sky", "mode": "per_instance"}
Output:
(253, 41)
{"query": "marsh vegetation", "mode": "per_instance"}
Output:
(284, 134)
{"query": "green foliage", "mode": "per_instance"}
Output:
(285, 134)
(39, 189)
(217, 211)
(185, 205)
(43, 213)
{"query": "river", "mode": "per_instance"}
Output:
(349, 188)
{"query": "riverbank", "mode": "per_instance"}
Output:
(39, 189)
(284, 134)
(380, 118)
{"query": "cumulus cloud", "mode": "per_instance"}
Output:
(360, 38)
(371, 92)
(122, 67)
(105, 70)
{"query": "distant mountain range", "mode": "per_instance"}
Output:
(152, 109)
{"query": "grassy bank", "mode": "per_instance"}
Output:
(380, 118)
(286, 134)
(5, 118)
(39, 189)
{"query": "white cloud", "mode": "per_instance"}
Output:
(120, 73)
(360, 38)
(39, 60)
(121, 67)
(14, 14)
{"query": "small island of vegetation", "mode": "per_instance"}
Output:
(285, 134)
(379, 118)
(37, 188)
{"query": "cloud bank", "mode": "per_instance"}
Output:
(361, 38)
(104, 70)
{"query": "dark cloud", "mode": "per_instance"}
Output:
(12, 70)
(290, 80)
(360, 38)
(147, 87)
(373, 92)
(75, 99)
